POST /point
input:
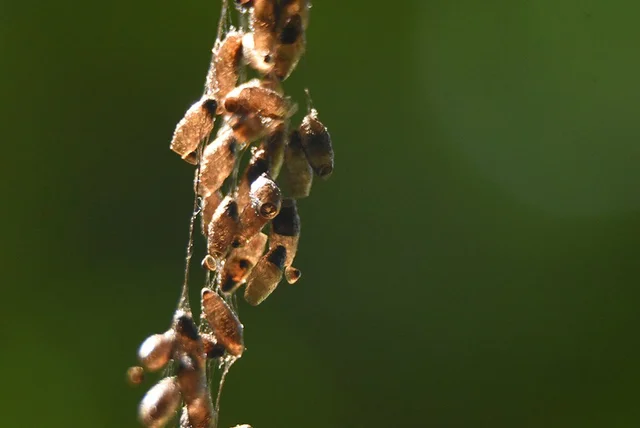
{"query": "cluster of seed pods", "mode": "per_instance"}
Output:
(250, 223)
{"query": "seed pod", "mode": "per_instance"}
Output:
(292, 8)
(251, 127)
(240, 262)
(135, 375)
(298, 172)
(223, 227)
(263, 23)
(155, 351)
(265, 276)
(218, 161)
(255, 58)
(316, 143)
(251, 98)
(274, 145)
(225, 325)
(258, 165)
(223, 73)
(193, 384)
(285, 231)
(187, 336)
(160, 403)
(195, 126)
(210, 202)
(265, 196)
(212, 349)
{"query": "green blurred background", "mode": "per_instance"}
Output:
(473, 261)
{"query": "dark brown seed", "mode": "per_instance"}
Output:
(195, 126)
(223, 228)
(155, 351)
(266, 196)
(210, 202)
(251, 98)
(285, 231)
(224, 323)
(291, 31)
(218, 161)
(223, 73)
(240, 262)
(187, 336)
(265, 276)
(298, 172)
(135, 375)
(316, 143)
(212, 349)
(160, 403)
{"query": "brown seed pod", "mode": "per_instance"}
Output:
(218, 161)
(292, 8)
(263, 23)
(193, 385)
(160, 403)
(223, 228)
(298, 172)
(225, 325)
(210, 202)
(251, 98)
(274, 145)
(240, 262)
(135, 375)
(248, 128)
(285, 231)
(155, 351)
(256, 59)
(266, 196)
(316, 143)
(223, 73)
(291, 43)
(258, 165)
(187, 336)
(195, 126)
(265, 276)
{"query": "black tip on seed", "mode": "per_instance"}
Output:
(287, 222)
(232, 209)
(216, 351)
(278, 256)
(186, 327)
(291, 31)
(210, 107)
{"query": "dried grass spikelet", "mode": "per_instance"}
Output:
(255, 59)
(298, 172)
(240, 262)
(191, 376)
(265, 276)
(160, 403)
(291, 8)
(285, 231)
(218, 161)
(316, 143)
(155, 351)
(252, 98)
(224, 71)
(187, 337)
(266, 200)
(273, 146)
(258, 165)
(195, 126)
(263, 23)
(291, 46)
(224, 323)
(223, 228)
(210, 202)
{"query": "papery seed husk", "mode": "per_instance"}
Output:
(258, 165)
(135, 375)
(225, 325)
(160, 403)
(263, 23)
(265, 276)
(195, 126)
(317, 145)
(201, 413)
(297, 171)
(291, 8)
(212, 348)
(193, 384)
(223, 73)
(274, 145)
(210, 202)
(223, 228)
(287, 57)
(248, 128)
(187, 336)
(254, 57)
(264, 102)
(251, 223)
(266, 196)
(155, 351)
(285, 231)
(240, 262)
(218, 161)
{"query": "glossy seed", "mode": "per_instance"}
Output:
(316, 143)
(218, 161)
(225, 325)
(195, 126)
(135, 375)
(223, 73)
(160, 403)
(265, 276)
(223, 228)
(155, 351)
(285, 231)
(298, 172)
